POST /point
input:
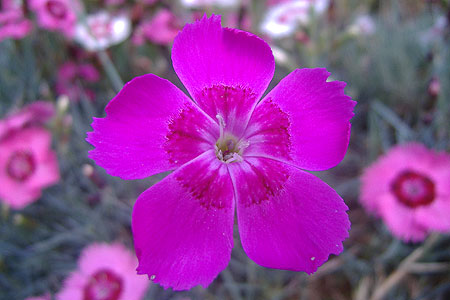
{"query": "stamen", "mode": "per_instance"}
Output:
(234, 158)
(221, 124)
(243, 145)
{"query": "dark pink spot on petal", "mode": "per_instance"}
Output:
(183, 233)
(190, 133)
(268, 132)
(208, 182)
(233, 103)
(293, 222)
(103, 285)
(319, 113)
(258, 179)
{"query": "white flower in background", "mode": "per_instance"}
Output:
(281, 57)
(101, 30)
(435, 32)
(201, 3)
(282, 20)
(363, 25)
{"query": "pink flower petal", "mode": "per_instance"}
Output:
(436, 215)
(401, 219)
(319, 114)
(183, 226)
(73, 287)
(209, 59)
(35, 113)
(288, 219)
(150, 127)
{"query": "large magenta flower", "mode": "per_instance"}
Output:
(228, 149)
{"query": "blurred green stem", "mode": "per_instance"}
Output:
(405, 266)
(5, 211)
(231, 285)
(392, 118)
(110, 70)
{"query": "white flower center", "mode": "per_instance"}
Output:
(228, 148)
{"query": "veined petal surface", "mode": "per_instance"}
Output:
(150, 127)
(318, 114)
(183, 226)
(288, 219)
(225, 70)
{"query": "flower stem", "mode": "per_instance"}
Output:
(382, 289)
(110, 70)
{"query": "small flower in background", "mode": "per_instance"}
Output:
(102, 30)
(409, 188)
(105, 272)
(13, 24)
(202, 3)
(436, 32)
(27, 165)
(34, 114)
(434, 87)
(364, 25)
(57, 15)
(282, 19)
(71, 75)
(161, 29)
(228, 150)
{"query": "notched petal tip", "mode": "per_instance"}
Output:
(181, 239)
(297, 229)
(128, 140)
(205, 54)
(320, 114)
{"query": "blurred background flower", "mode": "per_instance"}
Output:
(105, 272)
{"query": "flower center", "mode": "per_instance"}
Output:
(56, 9)
(228, 148)
(103, 285)
(413, 189)
(20, 165)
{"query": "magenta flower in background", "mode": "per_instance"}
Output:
(409, 189)
(34, 114)
(228, 149)
(71, 77)
(13, 24)
(105, 272)
(27, 165)
(161, 29)
(58, 15)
